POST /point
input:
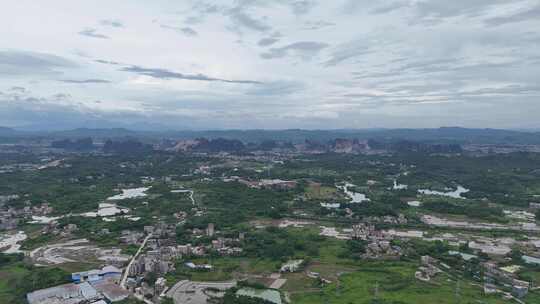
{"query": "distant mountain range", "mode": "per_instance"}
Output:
(437, 135)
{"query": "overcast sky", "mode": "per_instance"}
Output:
(270, 63)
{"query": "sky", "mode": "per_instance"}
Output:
(269, 64)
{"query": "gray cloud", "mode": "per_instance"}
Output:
(85, 81)
(347, 51)
(302, 7)
(389, 8)
(316, 25)
(13, 62)
(92, 33)
(267, 41)
(426, 12)
(436, 11)
(304, 49)
(107, 62)
(242, 19)
(352, 7)
(450, 72)
(61, 96)
(240, 13)
(187, 31)
(166, 74)
(200, 10)
(525, 15)
(111, 22)
(277, 88)
(17, 89)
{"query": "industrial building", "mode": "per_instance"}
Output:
(106, 273)
(64, 294)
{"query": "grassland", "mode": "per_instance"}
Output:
(320, 192)
(393, 283)
(9, 275)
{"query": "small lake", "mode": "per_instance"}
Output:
(129, 193)
(355, 196)
(106, 209)
(453, 194)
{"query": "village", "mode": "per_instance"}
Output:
(162, 238)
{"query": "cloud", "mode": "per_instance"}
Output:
(167, 74)
(188, 31)
(275, 37)
(348, 51)
(267, 41)
(92, 33)
(111, 23)
(15, 62)
(524, 15)
(353, 6)
(242, 13)
(277, 88)
(18, 89)
(107, 62)
(200, 11)
(304, 49)
(61, 96)
(374, 64)
(242, 19)
(84, 81)
(316, 25)
(302, 7)
(389, 8)
(436, 11)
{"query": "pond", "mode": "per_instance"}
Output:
(453, 194)
(355, 196)
(129, 193)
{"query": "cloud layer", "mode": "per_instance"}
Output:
(271, 64)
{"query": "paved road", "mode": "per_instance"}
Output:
(191, 197)
(126, 271)
(187, 191)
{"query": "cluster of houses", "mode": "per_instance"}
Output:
(227, 246)
(379, 245)
(495, 276)
(10, 217)
(163, 252)
(496, 279)
(429, 268)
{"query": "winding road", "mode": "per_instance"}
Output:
(186, 191)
